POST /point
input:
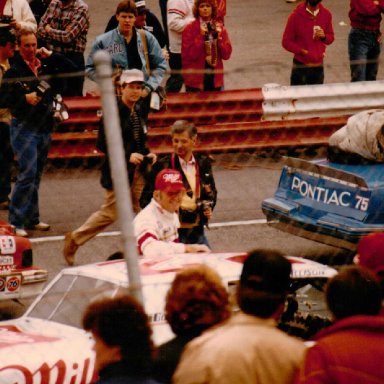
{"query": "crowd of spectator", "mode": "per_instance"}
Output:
(225, 339)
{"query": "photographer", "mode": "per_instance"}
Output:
(17, 14)
(137, 156)
(205, 44)
(200, 197)
(30, 100)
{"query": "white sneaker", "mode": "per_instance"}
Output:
(21, 232)
(40, 226)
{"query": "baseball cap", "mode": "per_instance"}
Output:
(169, 180)
(141, 6)
(267, 271)
(131, 76)
(371, 252)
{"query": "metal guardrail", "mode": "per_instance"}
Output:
(274, 116)
(325, 100)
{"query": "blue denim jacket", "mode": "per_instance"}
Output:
(113, 42)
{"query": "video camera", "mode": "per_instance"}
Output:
(6, 19)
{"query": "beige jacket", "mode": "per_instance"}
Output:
(245, 349)
(5, 114)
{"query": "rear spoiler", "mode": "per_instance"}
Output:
(326, 172)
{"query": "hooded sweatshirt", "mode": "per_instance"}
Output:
(299, 31)
(349, 351)
(365, 14)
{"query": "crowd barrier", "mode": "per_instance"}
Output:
(236, 120)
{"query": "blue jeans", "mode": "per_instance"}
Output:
(6, 161)
(364, 52)
(31, 151)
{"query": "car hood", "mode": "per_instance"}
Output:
(58, 355)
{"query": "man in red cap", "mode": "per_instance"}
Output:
(157, 224)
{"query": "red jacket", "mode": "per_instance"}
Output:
(365, 14)
(298, 34)
(351, 351)
(193, 55)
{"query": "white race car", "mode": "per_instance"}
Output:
(47, 345)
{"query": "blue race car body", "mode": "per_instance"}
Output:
(328, 202)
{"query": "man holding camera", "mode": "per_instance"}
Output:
(200, 197)
(30, 101)
(137, 156)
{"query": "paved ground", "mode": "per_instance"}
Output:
(255, 28)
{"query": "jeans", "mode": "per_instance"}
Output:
(304, 75)
(193, 235)
(6, 161)
(364, 52)
(31, 150)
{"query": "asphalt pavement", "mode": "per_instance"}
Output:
(69, 195)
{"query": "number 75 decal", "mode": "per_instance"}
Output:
(361, 203)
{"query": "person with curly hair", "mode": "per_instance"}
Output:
(122, 336)
(205, 44)
(196, 300)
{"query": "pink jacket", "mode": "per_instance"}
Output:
(298, 34)
(193, 55)
(349, 351)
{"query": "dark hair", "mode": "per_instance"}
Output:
(181, 126)
(197, 3)
(6, 36)
(264, 282)
(128, 6)
(121, 321)
(353, 291)
(196, 298)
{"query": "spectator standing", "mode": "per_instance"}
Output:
(205, 44)
(179, 15)
(137, 157)
(157, 224)
(248, 348)
(196, 301)
(370, 254)
(7, 50)
(350, 350)
(200, 198)
(122, 340)
(307, 33)
(126, 48)
(146, 20)
(364, 40)
(163, 11)
(63, 29)
(31, 105)
(20, 12)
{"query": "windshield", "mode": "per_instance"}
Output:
(67, 299)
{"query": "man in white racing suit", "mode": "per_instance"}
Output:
(157, 224)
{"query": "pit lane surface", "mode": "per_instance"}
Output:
(69, 196)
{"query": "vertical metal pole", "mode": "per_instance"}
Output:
(118, 169)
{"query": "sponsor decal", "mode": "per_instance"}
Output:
(310, 272)
(7, 245)
(10, 336)
(13, 283)
(57, 373)
(2, 284)
(329, 196)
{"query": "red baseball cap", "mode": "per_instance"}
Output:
(169, 180)
(371, 251)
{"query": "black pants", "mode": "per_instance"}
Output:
(175, 81)
(6, 161)
(75, 84)
(303, 75)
